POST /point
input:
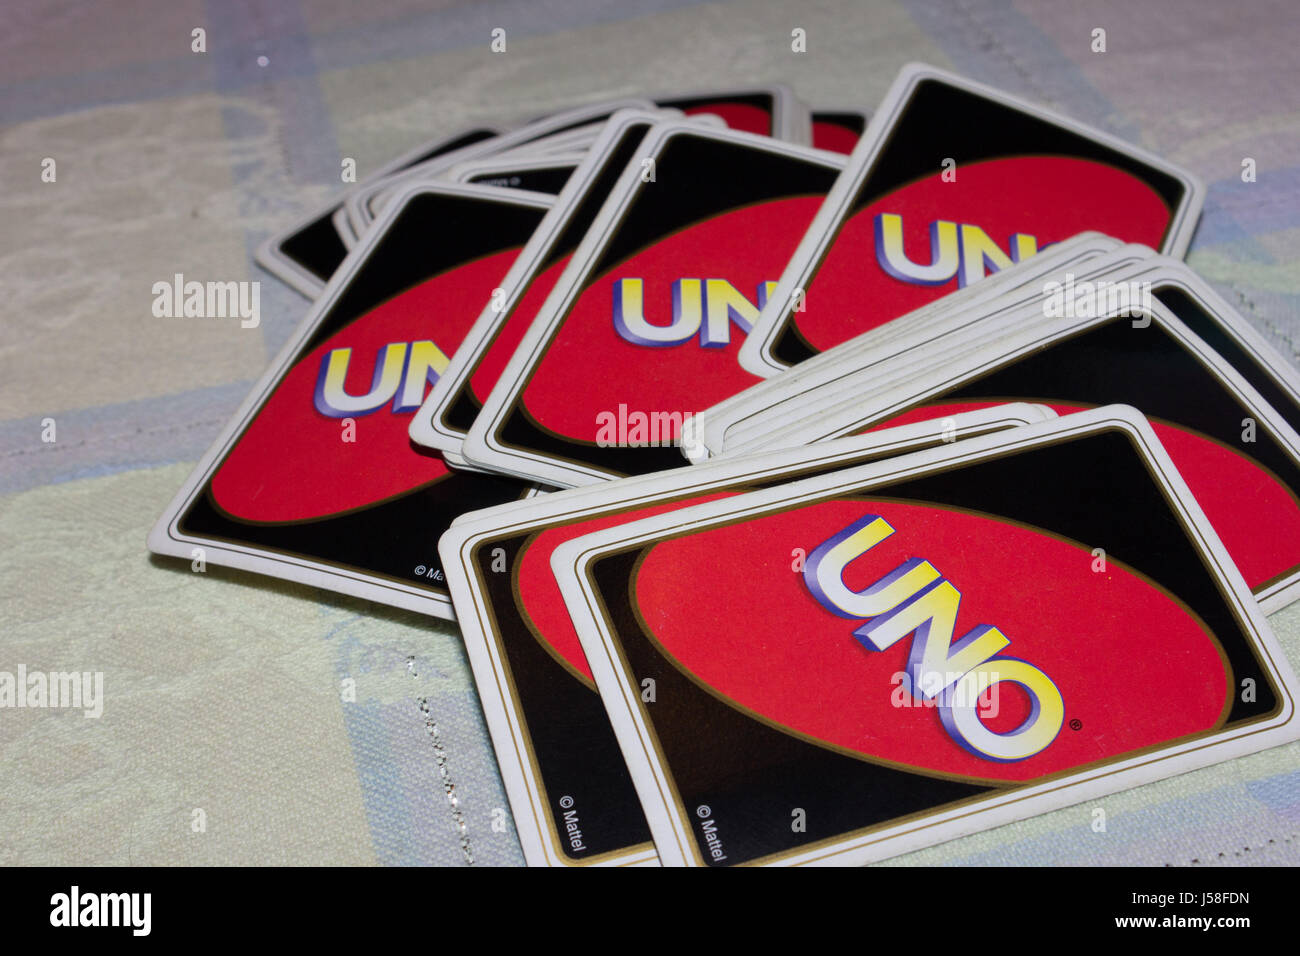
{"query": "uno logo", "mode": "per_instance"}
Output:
(706, 307)
(402, 375)
(709, 307)
(294, 462)
(1137, 667)
(627, 355)
(929, 237)
(916, 599)
(960, 250)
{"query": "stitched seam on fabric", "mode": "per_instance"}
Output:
(448, 786)
(1237, 853)
(1272, 326)
(991, 38)
(100, 439)
(444, 770)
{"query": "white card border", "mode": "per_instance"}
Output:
(166, 538)
(506, 723)
(481, 444)
(572, 560)
(756, 352)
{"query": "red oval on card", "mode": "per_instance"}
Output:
(293, 464)
(1134, 667)
(1048, 197)
(590, 369)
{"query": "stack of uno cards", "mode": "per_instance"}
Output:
(806, 490)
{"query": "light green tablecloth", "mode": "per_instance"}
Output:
(222, 689)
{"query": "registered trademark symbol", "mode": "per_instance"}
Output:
(1076, 724)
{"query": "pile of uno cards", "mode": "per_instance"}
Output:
(806, 489)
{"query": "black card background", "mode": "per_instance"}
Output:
(709, 177)
(1095, 490)
(576, 751)
(317, 246)
(434, 233)
(462, 408)
(943, 122)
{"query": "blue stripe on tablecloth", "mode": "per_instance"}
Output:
(104, 440)
(355, 45)
(999, 45)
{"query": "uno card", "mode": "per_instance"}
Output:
(363, 204)
(765, 111)
(1237, 452)
(838, 130)
(558, 146)
(306, 254)
(573, 801)
(456, 399)
(978, 178)
(777, 398)
(894, 655)
(642, 328)
(901, 355)
(314, 479)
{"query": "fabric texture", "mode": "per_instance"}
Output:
(224, 736)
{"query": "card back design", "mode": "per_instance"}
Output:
(307, 253)
(315, 479)
(947, 655)
(458, 397)
(954, 180)
(573, 800)
(693, 231)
